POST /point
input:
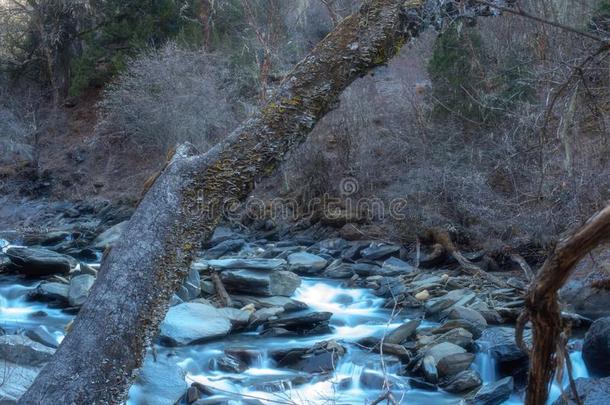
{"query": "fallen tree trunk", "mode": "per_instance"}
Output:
(96, 362)
(542, 307)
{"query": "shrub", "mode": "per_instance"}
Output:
(168, 96)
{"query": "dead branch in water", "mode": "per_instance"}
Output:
(542, 306)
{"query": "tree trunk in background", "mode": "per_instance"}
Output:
(96, 362)
(542, 307)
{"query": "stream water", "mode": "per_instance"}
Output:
(357, 313)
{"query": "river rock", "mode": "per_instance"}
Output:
(231, 364)
(306, 263)
(23, 351)
(191, 286)
(470, 315)
(15, 381)
(79, 289)
(253, 264)
(403, 332)
(342, 270)
(458, 336)
(585, 300)
(502, 346)
(159, 382)
(261, 282)
(38, 261)
(193, 322)
(378, 251)
(224, 247)
(288, 304)
(109, 236)
(495, 393)
(313, 323)
(321, 358)
(592, 391)
(52, 292)
(454, 363)
(461, 382)
(394, 267)
(460, 297)
(596, 347)
(366, 269)
(439, 351)
(475, 329)
(265, 314)
(41, 335)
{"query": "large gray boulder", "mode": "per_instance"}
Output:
(261, 282)
(596, 348)
(193, 322)
(160, 382)
(38, 262)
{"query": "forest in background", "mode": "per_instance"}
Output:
(496, 130)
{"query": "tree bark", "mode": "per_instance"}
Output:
(96, 362)
(542, 307)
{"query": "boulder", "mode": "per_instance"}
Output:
(306, 263)
(15, 381)
(475, 329)
(495, 393)
(261, 282)
(159, 382)
(288, 304)
(378, 251)
(461, 382)
(439, 351)
(321, 358)
(79, 289)
(403, 332)
(41, 335)
(52, 292)
(342, 270)
(596, 347)
(193, 322)
(394, 267)
(460, 297)
(592, 391)
(224, 247)
(191, 286)
(109, 236)
(23, 351)
(313, 323)
(470, 315)
(38, 262)
(366, 269)
(585, 300)
(458, 336)
(454, 363)
(501, 344)
(254, 264)
(231, 364)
